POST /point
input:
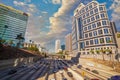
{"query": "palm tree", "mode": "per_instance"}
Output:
(103, 52)
(109, 52)
(19, 37)
(92, 52)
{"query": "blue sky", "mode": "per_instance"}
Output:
(52, 19)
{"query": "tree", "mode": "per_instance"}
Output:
(19, 37)
(103, 52)
(92, 52)
(10, 42)
(97, 51)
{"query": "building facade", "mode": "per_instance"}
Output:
(91, 29)
(57, 46)
(12, 23)
(63, 47)
(68, 43)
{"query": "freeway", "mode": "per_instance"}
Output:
(49, 69)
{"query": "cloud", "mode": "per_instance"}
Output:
(115, 7)
(27, 1)
(29, 8)
(56, 1)
(19, 3)
(45, 1)
(44, 12)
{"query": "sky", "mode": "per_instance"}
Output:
(52, 19)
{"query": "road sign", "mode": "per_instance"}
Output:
(83, 73)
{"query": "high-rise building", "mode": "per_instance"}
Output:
(68, 43)
(63, 47)
(12, 23)
(91, 29)
(57, 46)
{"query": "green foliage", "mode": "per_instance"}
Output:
(118, 35)
(108, 50)
(101, 41)
(33, 49)
(10, 42)
(61, 52)
(103, 51)
(92, 51)
(2, 41)
(97, 51)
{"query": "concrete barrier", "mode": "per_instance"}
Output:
(17, 62)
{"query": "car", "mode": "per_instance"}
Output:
(52, 79)
(87, 69)
(64, 78)
(65, 68)
(115, 77)
(95, 71)
(94, 79)
(70, 74)
(79, 66)
(12, 71)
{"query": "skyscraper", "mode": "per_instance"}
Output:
(68, 43)
(57, 46)
(91, 28)
(12, 23)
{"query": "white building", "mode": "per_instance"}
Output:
(91, 28)
(57, 46)
(68, 43)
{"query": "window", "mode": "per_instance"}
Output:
(104, 23)
(101, 40)
(83, 10)
(98, 24)
(91, 42)
(84, 21)
(96, 41)
(86, 35)
(96, 10)
(101, 8)
(83, 16)
(100, 32)
(97, 17)
(86, 8)
(89, 27)
(87, 14)
(87, 42)
(88, 20)
(94, 25)
(85, 28)
(102, 15)
(92, 19)
(95, 33)
(90, 34)
(106, 31)
(107, 39)
(90, 6)
(91, 12)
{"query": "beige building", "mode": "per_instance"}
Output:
(68, 43)
(91, 29)
(29, 45)
(57, 46)
(118, 39)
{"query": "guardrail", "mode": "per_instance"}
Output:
(17, 62)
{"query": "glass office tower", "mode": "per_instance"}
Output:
(12, 23)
